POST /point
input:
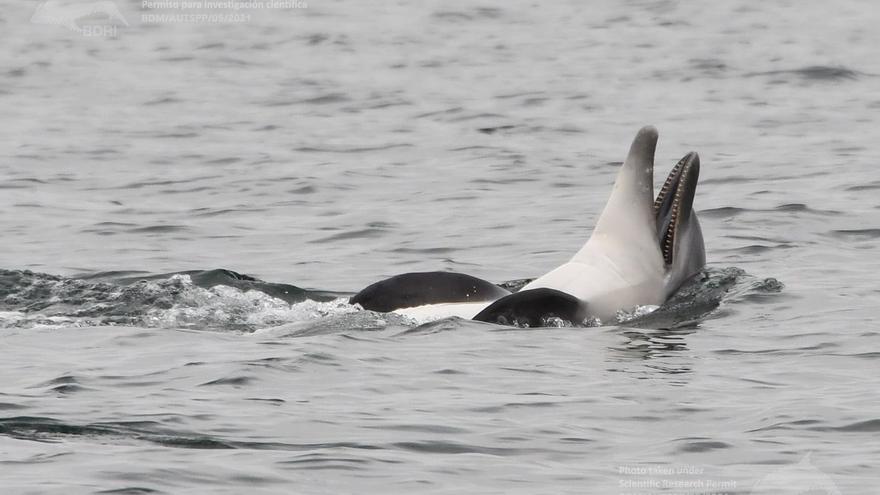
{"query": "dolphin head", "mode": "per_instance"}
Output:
(678, 230)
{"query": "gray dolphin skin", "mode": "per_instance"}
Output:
(643, 248)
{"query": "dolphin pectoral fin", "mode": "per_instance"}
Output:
(533, 306)
(418, 289)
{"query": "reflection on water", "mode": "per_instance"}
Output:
(654, 353)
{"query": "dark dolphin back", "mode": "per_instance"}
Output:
(417, 289)
(533, 306)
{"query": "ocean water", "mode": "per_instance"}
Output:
(185, 208)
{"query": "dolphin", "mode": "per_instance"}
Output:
(642, 249)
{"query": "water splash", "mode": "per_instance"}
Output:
(202, 300)
(227, 301)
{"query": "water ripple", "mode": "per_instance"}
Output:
(819, 73)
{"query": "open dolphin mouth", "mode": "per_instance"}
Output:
(675, 201)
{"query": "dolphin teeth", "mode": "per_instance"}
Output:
(676, 178)
(664, 190)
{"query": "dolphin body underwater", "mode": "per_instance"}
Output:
(640, 252)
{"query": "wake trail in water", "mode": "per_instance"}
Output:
(223, 300)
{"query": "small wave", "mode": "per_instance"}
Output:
(701, 297)
(48, 429)
(802, 208)
(438, 326)
(865, 187)
(722, 212)
(235, 381)
(177, 58)
(869, 426)
(757, 248)
(814, 73)
(439, 113)
(227, 160)
(511, 180)
(129, 490)
(211, 212)
(355, 234)
(703, 446)
(733, 211)
(856, 233)
(303, 190)
(351, 149)
(325, 99)
(446, 447)
(431, 250)
(478, 116)
(341, 319)
(494, 129)
(709, 65)
(470, 15)
(736, 179)
(315, 461)
(162, 101)
(287, 103)
(158, 229)
(177, 135)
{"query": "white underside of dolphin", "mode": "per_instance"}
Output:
(432, 312)
(621, 266)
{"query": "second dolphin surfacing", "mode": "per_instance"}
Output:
(642, 249)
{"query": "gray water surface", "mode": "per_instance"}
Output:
(331, 146)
